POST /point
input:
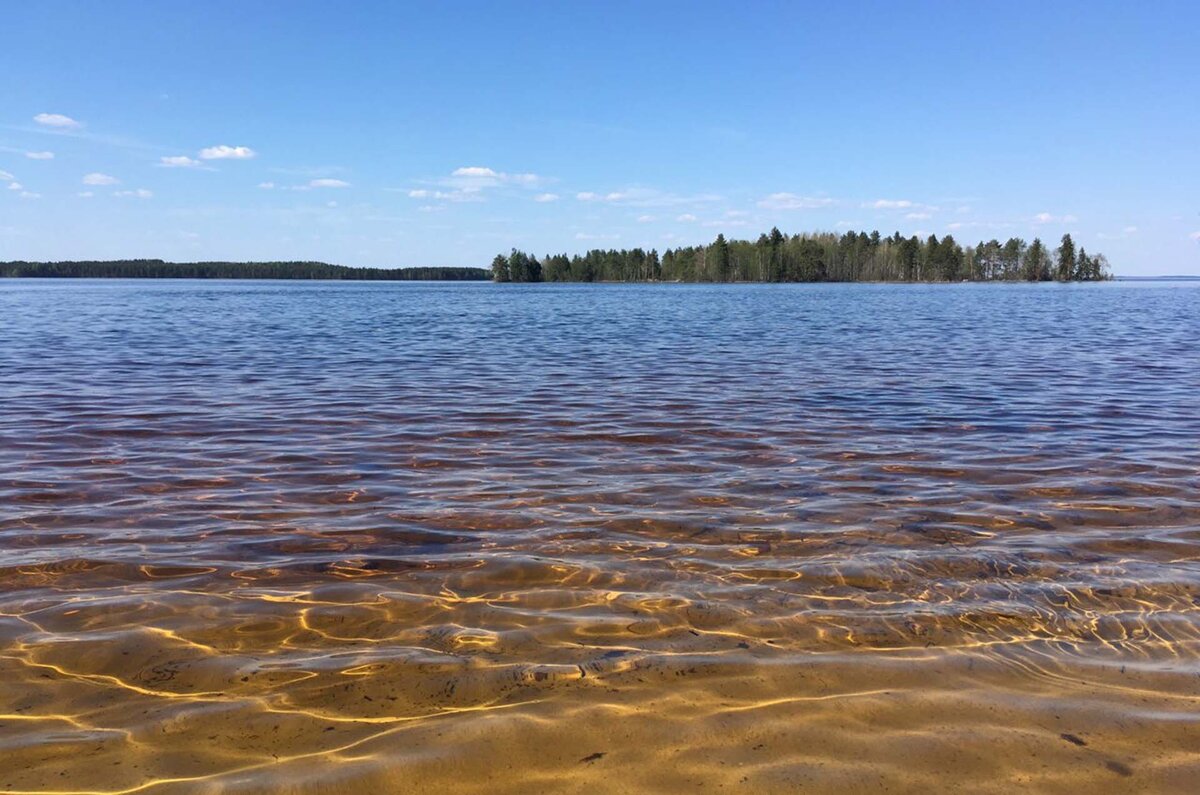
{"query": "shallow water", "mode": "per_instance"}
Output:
(336, 537)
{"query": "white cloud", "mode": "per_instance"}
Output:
(890, 204)
(686, 217)
(15, 186)
(464, 195)
(790, 201)
(96, 178)
(736, 213)
(478, 177)
(1047, 218)
(27, 195)
(5, 176)
(918, 216)
(1130, 230)
(223, 152)
(266, 185)
(586, 236)
(55, 120)
(331, 204)
(546, 197)
(474, 171)
(646, 197)
(328, 183)
(1195, 236)
(40, 155)
(645, 219)
(85, 194)
(140, 193)
(178, 161)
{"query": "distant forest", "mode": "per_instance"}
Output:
(158, 269)
(819, 257)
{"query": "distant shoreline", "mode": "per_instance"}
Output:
(283, 270)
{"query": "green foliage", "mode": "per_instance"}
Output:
(500, 269)
(777, 257)
(1065, 266)
(158, 269)
(1037, 262)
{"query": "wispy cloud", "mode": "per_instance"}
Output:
(446, 195)
(266, 185)
(546, 197)
(85, 194)
(6, 177)
(56, 120)
(40, 155)
(1128, 231)
(1195, 236)
(589, 236)
(686, 218)
(96, 178)
(223, 152)
(645, 219)
(482, 176)
(328, 183)
(921, 216)
(890, 204)
(30, 195)
(791, 201)
(179, 161)
(140, 193)
(647, 197)
(15, 186)
(1047, 218)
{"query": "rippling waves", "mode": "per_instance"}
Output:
(482, 538)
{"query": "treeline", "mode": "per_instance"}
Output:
(820, 257)
(158, 269)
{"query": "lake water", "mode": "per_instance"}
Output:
(340, 537)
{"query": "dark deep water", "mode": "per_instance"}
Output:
(415, 537)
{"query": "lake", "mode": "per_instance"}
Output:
(409, 537)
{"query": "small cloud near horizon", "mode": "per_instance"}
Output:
(56, 120)
(96, 178)
(40, 155)
(1047, 218)
(179, 161)
(792, 201)
(223, 152)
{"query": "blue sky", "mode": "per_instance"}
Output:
(441, 133)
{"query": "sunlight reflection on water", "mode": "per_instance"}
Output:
(484, 538)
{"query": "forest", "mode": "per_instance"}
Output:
(816, 257)
(158, 269)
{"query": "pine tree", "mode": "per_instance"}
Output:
(500, 269)
(1066, 259)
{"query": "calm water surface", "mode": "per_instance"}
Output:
(327, 537)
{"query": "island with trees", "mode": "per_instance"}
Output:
(817, 257)
(158, 269)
